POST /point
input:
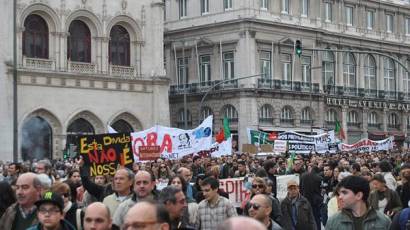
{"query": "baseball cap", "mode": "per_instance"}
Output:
(292, 183)
(53, 198)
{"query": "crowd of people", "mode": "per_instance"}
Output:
(333, 191)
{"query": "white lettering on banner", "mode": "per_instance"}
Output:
(282, 185)
(367, 145)
(355, 103)
(235, 189)
(174, 143)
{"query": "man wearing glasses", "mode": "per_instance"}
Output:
(50, 213)
(260, 208)
(148, 216)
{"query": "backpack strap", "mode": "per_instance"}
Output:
(403, 218)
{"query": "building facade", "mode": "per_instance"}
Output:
(82, 65)
(208, 42)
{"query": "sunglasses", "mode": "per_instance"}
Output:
(258, 186)
(255, 206)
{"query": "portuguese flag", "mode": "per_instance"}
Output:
(224, 133)
(339, 130)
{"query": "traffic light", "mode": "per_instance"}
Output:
(298, 47)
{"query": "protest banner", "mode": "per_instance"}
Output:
(281, 185)
(149, 152)
(174, 143)
(366, 145)
(249, 148)
(235, 189)
(218, 149)
(298, 142)
(103, 153)
(280, 146)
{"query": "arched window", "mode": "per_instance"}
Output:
(372, 119)
(306, 115)
(389, 75)
(406, 76)
(286, 114)
(266, 114)
(122, 126)
(36, 139)
(393, 120)
(349, 70)
(370, 73)
(181, 119)
(35, 37)
(352, 118)
(230, 113)
(328, 68)
(119, 46)
(80, 127)
(206, 112)
(79, 42)
(331, 116)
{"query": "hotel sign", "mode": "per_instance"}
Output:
(358, 103)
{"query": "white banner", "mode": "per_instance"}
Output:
(366, 145)
(280, 146)
(235, 189)
(221, 149)
(282, 185)
(174, 143)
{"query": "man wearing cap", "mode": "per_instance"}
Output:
(50, 213)
(296, 210)
(404, 189)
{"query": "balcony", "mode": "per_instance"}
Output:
(306, 122)
(38, 64)
(283, 85)
(266, 120)
(393, 126)
(81, 67)
(374, 125)
(202, 87)
(287, 120)
(126, 72)
(330, 123)
(354, 124)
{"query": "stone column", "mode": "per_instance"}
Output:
(344, 122)
(365, 123)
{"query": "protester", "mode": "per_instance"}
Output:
(13, 172)
(147, 215)
(174, 201)
(310, 188)
(296, 210)
(70, 207)
(260, 208)
(356, 214)
(50, 213)
(97, 217)
(144, 184)
(87, 197)
(22, 214)
(241, 223)
(404, 189)
(7, 196)
(383, 198)
(385, 170)
(186, 173)
(192, 208)
(215, 208)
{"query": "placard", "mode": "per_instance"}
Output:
(149, 152)
(103, 153)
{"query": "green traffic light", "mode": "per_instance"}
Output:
(298, 47)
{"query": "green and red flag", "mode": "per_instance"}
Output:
(339, 130)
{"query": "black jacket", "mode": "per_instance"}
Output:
(98, 191)
(310, 187)
(404, 193)
(305, 218)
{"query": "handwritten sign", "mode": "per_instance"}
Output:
(103, 153)
(235, 189)
(149, 152)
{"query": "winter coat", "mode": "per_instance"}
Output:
(305, 218)
(7, 220)
(393, 200)
(374, 220)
